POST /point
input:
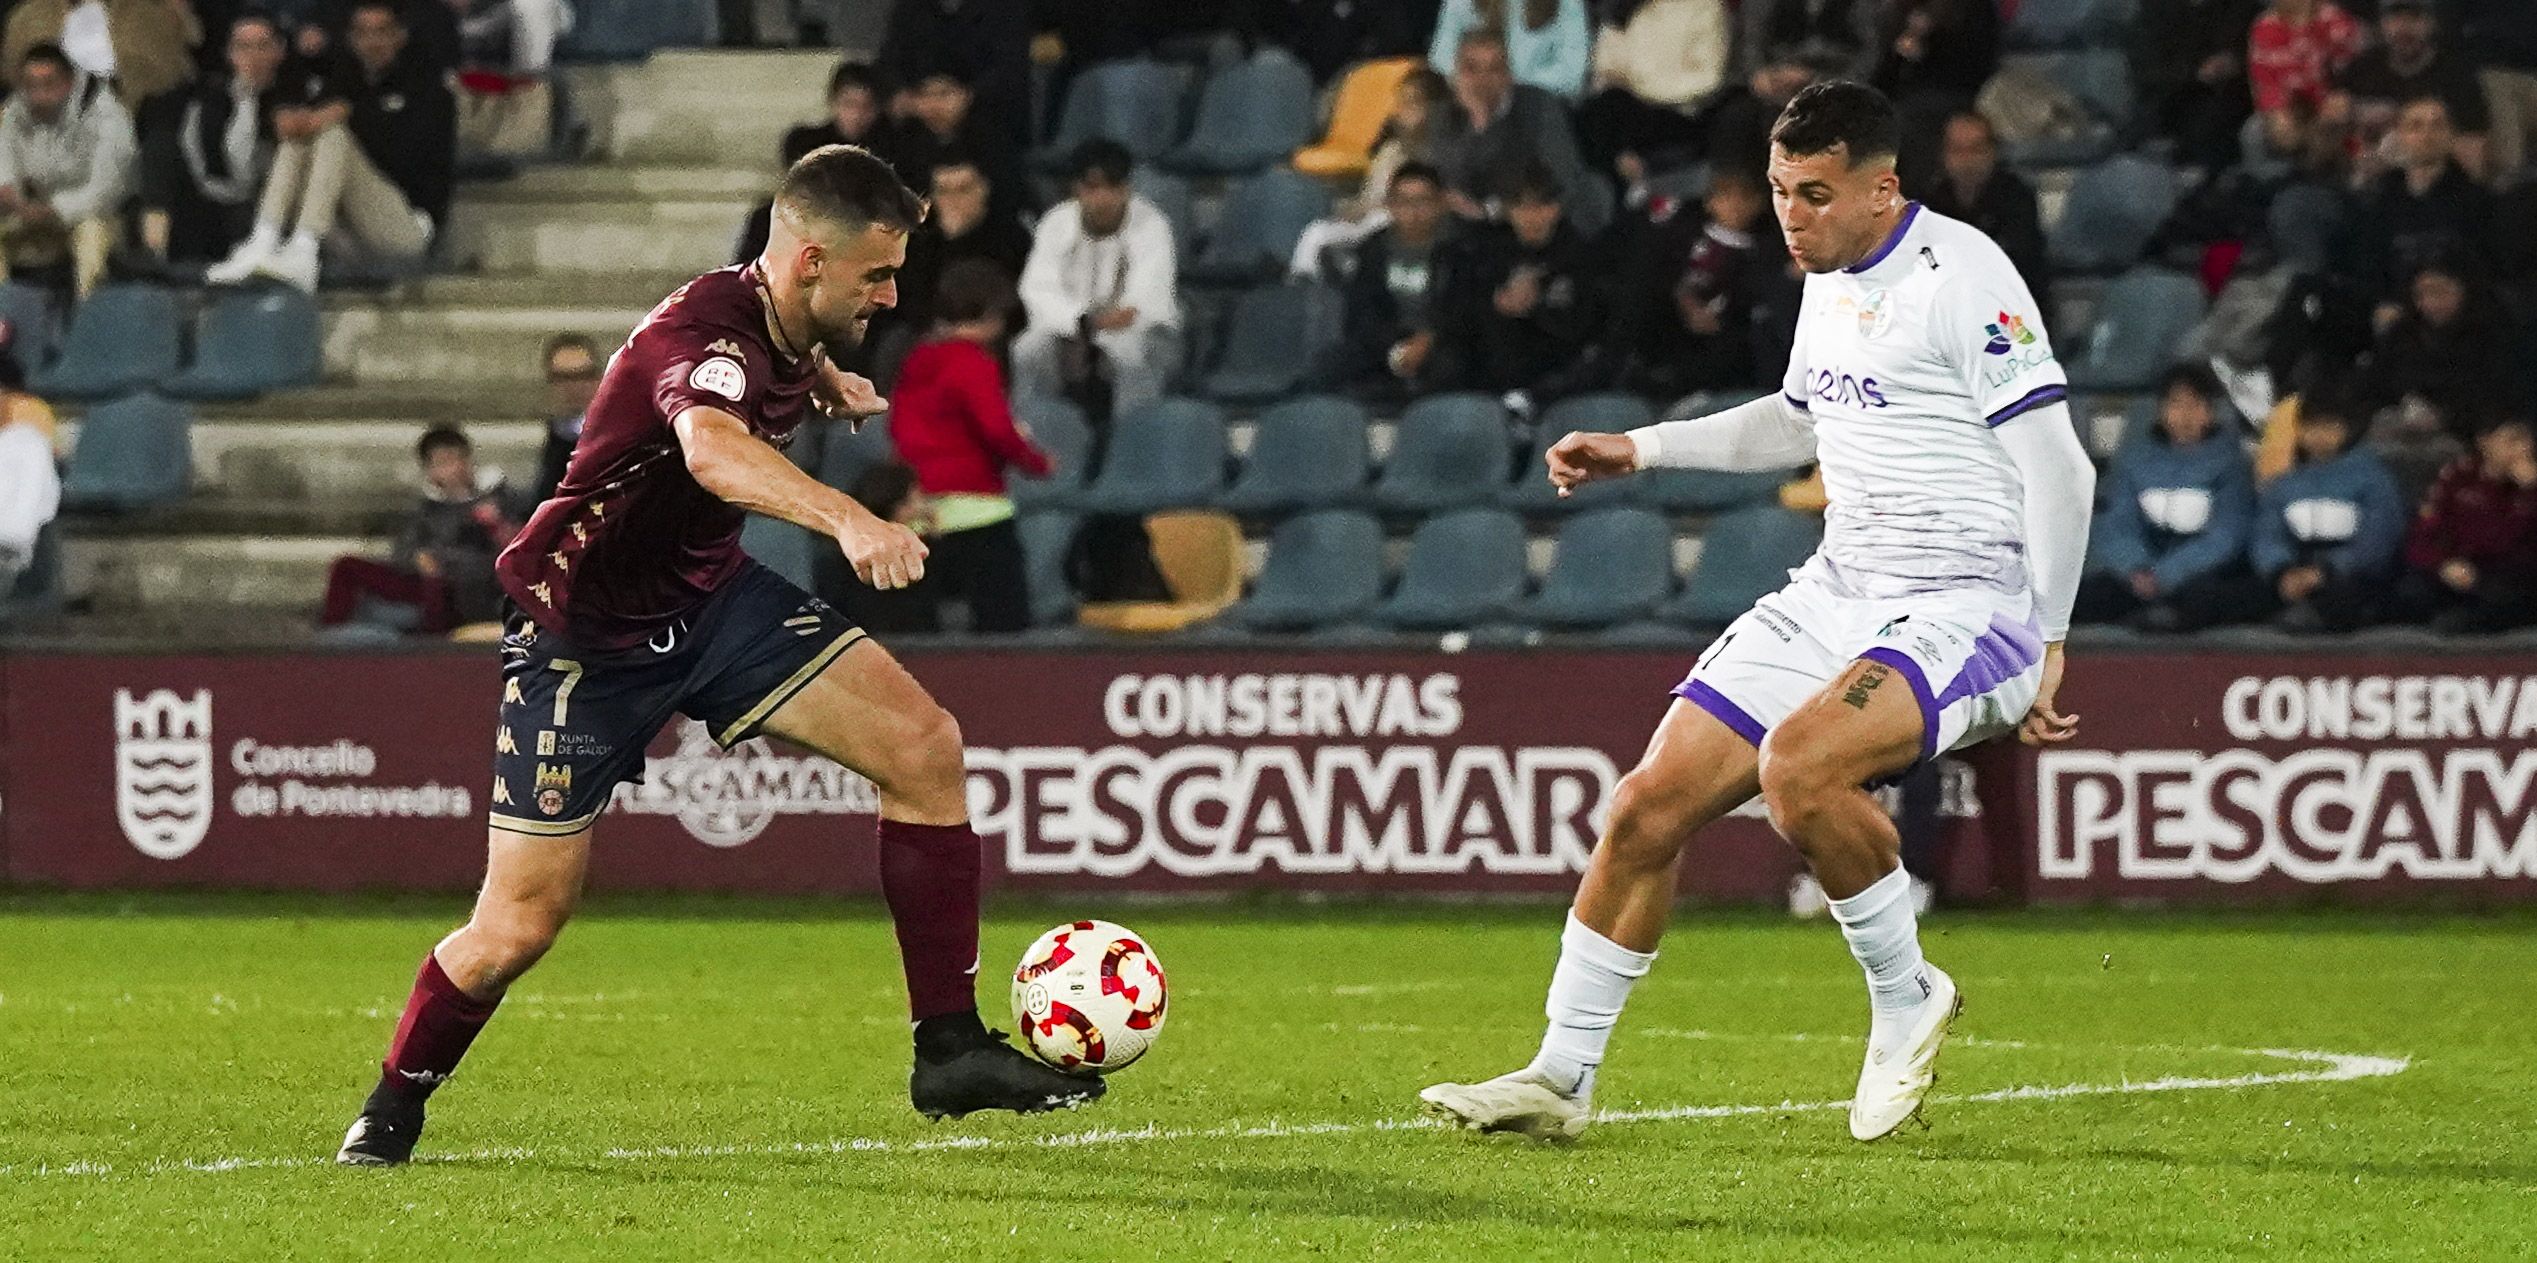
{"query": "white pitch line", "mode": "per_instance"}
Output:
(2324, 1067)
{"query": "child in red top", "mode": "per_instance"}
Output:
(952, 423)
(2473, 552)
(2295, 49)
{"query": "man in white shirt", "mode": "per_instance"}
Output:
(1930, 619)
(1102, 274)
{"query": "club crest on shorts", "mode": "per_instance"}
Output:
(553, 782)
(720, 376)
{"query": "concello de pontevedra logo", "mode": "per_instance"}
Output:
(163, 770)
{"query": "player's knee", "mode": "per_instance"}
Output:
(930, 768)
(1796, 782)
(511, 938)
(1648, 822)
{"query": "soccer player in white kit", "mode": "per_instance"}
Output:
(1931, 618)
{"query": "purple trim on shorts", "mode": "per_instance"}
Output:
(2001, 654)
(2028, 402)
(1919, 680)
(1911, 211)
(1698, 693)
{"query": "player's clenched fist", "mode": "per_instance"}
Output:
(885, 555)
(1582, 458)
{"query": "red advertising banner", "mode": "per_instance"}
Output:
(2225, 778)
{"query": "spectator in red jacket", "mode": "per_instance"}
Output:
(2473, 552)
(2294, 52)
(952, 422)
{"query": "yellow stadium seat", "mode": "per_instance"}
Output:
(1356, 119)
(1200, 554)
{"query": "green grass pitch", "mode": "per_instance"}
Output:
(704, 1080)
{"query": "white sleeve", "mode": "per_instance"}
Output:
(1153, 273)
(2060, 496)
(1993, 333)
(1045, 298)
(1768, 433)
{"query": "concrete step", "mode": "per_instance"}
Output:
(283, 464)
(371, 344)
(407, 404)
(627, 182)
(558, 237)
(700, 106)
(627, 289)
(136, 574)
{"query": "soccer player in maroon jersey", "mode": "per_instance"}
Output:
(634, 603)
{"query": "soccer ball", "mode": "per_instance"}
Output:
(1088, 997)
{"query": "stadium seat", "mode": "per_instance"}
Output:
(1323, 568)
(1613, 565)
(2144, 316)
(1615, 413)
(1199, 552)
(2101, 80)
(1450, 452)
(1250, 114)
(1169, 194)
(37, 593)
(133, 453)
(1358, 110)
(1266, 347)
(1059, 428)
(2114, 209)
(1308, 453)
(1169, 454)
(1744, 556)
(253, 341)
(1255, 236)
(34, 325)
(124, 338)
(846, 454)
(1046, 539)
(1136, 102)
(631, 30)
(784, 548)
(1463, 568)
(2049, 25)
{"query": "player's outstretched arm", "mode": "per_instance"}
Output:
(2060, 497)
(1765, 434)
(740, 468)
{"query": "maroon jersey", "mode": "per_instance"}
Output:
(630, 542)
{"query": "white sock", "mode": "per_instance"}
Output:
(1885, 936)
(264, 240)
(1587, 991)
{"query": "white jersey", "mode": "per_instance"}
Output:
(1905, 363)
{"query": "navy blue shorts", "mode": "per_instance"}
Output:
(575, 723)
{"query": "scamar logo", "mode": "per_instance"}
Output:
(729, 797)
(163, 770)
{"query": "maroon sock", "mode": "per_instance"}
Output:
(930, 876)
(440, 1021)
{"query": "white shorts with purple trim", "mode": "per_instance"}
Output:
(1973, 658)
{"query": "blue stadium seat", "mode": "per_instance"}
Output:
(38, 590)
(1136, 102)
(34, 323)
(1449, 452)
(2101, 80)
(1613, 565)
(1059, 428)
(1595, 414)
(133, 453)
(784, 548)
(1251, 114)
(1308, 453)
(631, 30)
(1266, 345)
(1744, 556)
(1169, 194)
(2114, 209)
(845, 454)
(2048, 25)
(1169, 454)
(123, 338)
(1255, 236)
(2142, 319)
(1046, 539)
(252, 341)
(1464, 568)
(1323, 568)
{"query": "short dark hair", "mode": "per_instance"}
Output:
(2197, 377)
(846, 185)
(1481, 35)
(1532, 182)
(49, 54)
(1103, 157)
(563, 342)
(1737, 177)
(855, 74)
(1415, 170)
(972, 289)
(1840, 114)
(439, 437)
(956, 155)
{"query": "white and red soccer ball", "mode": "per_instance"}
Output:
(1088, 997)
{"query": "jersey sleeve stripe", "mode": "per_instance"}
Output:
(2033, 399)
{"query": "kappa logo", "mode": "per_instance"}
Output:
(163, 795)
(725, 346)
(720, 376)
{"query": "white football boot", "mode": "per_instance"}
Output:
(1525, 1102)
(1899, 1072)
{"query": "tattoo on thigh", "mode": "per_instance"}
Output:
(1868, 682)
